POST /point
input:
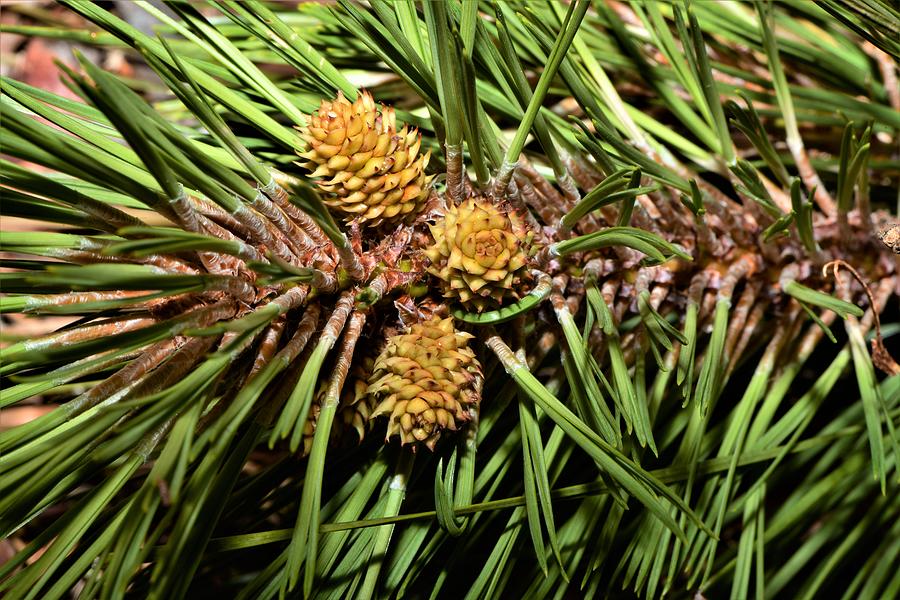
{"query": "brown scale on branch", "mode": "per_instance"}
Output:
(228, 225)
(329, 397)
(880, 355)
(545, 208)
(740, 314)
(749, 332)
(890, 237)
(125, 376)
(170, 369)
(267, 346)
(91, 332)
(224, 264)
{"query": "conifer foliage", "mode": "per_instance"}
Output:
(481, 299)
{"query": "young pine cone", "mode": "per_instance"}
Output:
(369, 171)
(480, 253)
(426, 381)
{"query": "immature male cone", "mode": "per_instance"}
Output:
(369, 171)
(426, 381)
(480, 253)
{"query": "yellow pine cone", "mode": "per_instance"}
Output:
(369, 171)
(426, 381)
(480, 254)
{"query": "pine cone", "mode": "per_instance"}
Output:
(370, 171)
(426, 380)
(480, 253)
